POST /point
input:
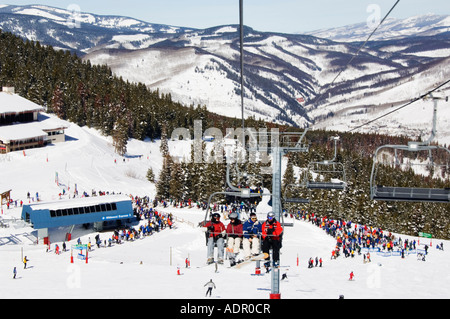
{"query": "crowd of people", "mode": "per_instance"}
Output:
(353, 238)
(150, 221)
(253, 236)
(232, 204)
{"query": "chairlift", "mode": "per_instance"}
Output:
(336, 170)
(234, 191)
(295, 200)
(292, 200)
(411, 194)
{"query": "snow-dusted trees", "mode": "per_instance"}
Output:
(57, 103)
(92, 95)
(120, 137)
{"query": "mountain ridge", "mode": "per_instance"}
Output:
(202, 66)
(391, 29)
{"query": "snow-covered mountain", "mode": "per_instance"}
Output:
(418, 26)
(71, 29)
(202, 66)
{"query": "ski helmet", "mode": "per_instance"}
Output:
(233, 215)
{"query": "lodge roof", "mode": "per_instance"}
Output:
(11, 103)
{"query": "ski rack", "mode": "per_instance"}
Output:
(327, 167)
(410, 194)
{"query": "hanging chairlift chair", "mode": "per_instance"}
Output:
(328, 167)
(295, 200)
(408, 194)
(411, 194)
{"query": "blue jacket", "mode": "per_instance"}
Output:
(252, 228)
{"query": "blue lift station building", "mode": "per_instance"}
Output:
(97, 210)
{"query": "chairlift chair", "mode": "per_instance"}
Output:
(411, 194)
(295, 200)
(327, 167)
(408, 194)
(292, 200)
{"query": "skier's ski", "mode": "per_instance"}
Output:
(206, 265)
(216, 265)
(254, 258)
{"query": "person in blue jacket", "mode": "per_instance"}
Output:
(252, 236)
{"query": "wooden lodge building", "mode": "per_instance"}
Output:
(22, 127)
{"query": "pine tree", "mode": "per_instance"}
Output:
(57, 104)
(164, 143)
(120, 138)
(214, 180)
(163, 184)
(150, 175)
(176, 182)
(288, 178)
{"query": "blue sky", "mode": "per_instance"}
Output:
(290, 16)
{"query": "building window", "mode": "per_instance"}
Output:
(83, 210)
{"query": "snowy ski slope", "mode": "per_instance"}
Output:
(146, 269)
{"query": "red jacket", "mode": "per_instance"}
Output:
(219, 227)
(277, 230)
(235, 230)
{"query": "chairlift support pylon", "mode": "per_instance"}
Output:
(277, 152)
(410, 194)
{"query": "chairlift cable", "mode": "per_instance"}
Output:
(359, 50)
(241, 41)
(401, 107)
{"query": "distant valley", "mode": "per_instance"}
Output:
(201, 67)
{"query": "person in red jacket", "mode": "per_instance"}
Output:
(215, 232)
(352, 275)
(234, 234)
(271, 236)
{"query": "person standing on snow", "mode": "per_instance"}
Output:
(210, 284)
(215, 233)
(271, 235)
(252, 231)
(352, 275)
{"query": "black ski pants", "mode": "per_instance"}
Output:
(275, 245)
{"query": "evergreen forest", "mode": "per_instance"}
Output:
(91, 95)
